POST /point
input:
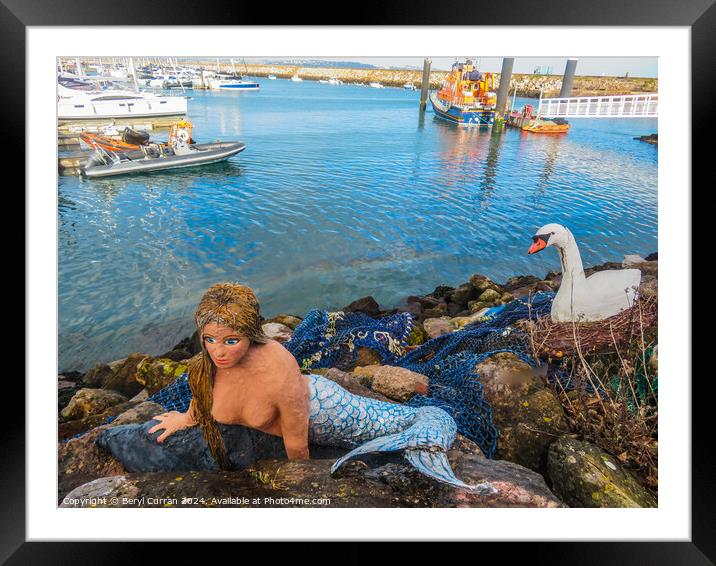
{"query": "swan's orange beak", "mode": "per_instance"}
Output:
(537, 245)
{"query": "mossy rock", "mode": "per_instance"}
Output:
(417, 335)
(157, 373)
(583, 475)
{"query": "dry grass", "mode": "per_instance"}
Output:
(613, 357)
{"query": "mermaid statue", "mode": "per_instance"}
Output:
(250, 400)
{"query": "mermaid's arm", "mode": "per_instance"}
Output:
(293, 418)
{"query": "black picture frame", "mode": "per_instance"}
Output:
(699, 15)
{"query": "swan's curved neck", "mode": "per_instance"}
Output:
(571, 260)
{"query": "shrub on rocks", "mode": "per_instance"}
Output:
(399, 383)
(88, 402)
(417, 335)
(583, 475)
(156, 373)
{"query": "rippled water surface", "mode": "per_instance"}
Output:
(342, 192)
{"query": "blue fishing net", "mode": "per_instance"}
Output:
(449, 361)
(331, 340)
(175, 396)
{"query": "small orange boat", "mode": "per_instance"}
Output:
(526, 121)
(128, 141)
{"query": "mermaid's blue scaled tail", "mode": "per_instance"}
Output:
(424, 443)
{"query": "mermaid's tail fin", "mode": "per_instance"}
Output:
(436, 465)
(425, 443)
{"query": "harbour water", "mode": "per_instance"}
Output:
(343, 191)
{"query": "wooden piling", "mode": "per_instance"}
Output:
(425, 85)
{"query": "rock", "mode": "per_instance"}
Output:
(462, 294)
(177, 355)
(277, 331)
(528, 416)
(366, 357)
(631, 259)
(364, 374)
(435, 327)
(647, 268)
(399, 383)
(442, 292)
(651, 138)
(478, 307)
(62, 384)
(156, 373)
(140, 397)
(80, 460)
(287, 319)
(489, 296)
(506, 298)
(440, 310)
(415, 309)
(289, 483)
(583, 475)
(96, 376)
(88, 402)
(349, 382)
(191, 344)
(520, 281)
(652, 257)
(538, 286)
(417, 335)
(453, 309)
(123, 375)
(482, 283)
(366, 305)
(461, 321)
(424, 302)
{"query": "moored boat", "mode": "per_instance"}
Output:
(524, 120)
(466, 96)
(296, 79)
(178, 152)
(232, 83)
(85, 105)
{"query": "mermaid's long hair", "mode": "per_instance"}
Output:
(235, 306)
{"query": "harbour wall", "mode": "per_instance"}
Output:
(527, 85)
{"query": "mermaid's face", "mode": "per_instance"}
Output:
(224, 345)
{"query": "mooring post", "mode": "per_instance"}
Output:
(568, 78)
(503, 92)
(425, 85)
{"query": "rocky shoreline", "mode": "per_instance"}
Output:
(541, 459)
(527, 85)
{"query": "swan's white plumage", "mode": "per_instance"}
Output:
(584, 299)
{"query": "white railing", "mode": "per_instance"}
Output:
(626, 106)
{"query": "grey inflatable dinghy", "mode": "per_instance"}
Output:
(156, 157)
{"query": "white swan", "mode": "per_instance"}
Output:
(580, 298)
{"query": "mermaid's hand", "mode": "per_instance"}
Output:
(170, 422)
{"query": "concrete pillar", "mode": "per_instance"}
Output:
(568, 78)
(426, 84)
(503, 92)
